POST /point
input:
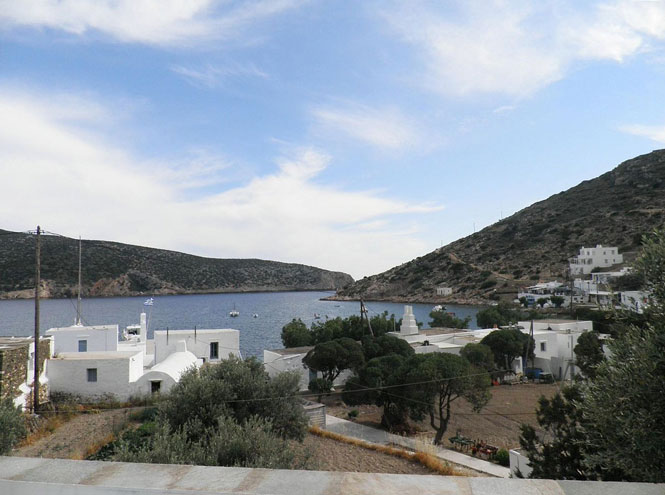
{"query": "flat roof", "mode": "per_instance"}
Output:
(198, 330)
(76, 328)
(95, 355)
(292, 350)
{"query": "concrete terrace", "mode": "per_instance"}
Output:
(29, 476)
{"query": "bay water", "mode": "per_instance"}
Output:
(273, 310)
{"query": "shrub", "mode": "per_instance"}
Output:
(12, 426)
(502, 457)
(353, 413)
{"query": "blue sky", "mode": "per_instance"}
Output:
(353, 136)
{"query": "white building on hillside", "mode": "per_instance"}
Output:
(598, 257)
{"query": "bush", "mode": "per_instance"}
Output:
(502, 457)
(353, 413)
(12, 426)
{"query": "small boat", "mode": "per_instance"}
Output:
(234, 312)
(255, 315)
(317, 316)
(438, 307)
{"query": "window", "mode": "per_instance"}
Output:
(543, 346)
(83, 346)
(155, 386)
(92, 374)
(214, 350)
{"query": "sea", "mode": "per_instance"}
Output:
(272, 309)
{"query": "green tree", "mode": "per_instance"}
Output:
(332, 357)
(479, 355)
(541, 301)
(367, 387)
(558, 454)
(385, 345)
(500, 315)
(443, 378)
(508, 344)
(588, 353)
(446, 320)
(651, 266)
(557, 301)
(296, 334)
(524, 301)
(239, 389)
(623, 408)
(12, 426)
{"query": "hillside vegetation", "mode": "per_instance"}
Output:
(115, 269)
(535, 243)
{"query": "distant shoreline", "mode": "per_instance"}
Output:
(3, 297)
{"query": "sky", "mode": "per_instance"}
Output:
(352, 136)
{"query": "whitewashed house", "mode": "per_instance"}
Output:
(444, 291)
(555, 341)
(91, 362)
(162, 376)
(598, 257)
(206, 344)
(79, 338)
(276, 361)
(634, 300)
(96, 375)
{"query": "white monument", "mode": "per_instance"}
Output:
(409, 325)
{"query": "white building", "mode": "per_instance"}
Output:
(555, 341)
(79, 338)
(606, 277)
(206, 344)
(96, 375)
(598, 257)
(91, 362)
(165, 374)
(276, 361)
(634, 300)
(444, 291)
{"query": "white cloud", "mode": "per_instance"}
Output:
(519, 47)
(162, 22)
(85, 185)
(212, 76)
(383, 128)
(653, 132)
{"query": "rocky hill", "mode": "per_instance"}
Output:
(115, 269)
(535, 243)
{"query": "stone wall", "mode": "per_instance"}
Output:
(13, 370)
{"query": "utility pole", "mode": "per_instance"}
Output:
(35, 383)
(363, 312)
(78, 300)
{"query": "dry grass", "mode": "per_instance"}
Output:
(94, 447)
(427, 459)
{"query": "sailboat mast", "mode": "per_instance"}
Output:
(78, 300)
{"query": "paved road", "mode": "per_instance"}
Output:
(374, 435)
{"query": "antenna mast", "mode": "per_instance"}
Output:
(78, 300)
(35, 383)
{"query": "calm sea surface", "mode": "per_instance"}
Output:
(274, 310)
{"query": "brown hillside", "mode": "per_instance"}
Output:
(535, 243)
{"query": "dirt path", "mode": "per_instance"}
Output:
(73, 439)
